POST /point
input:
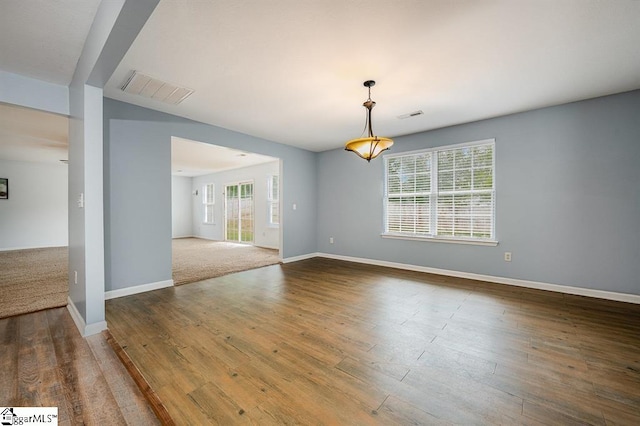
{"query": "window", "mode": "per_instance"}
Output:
(208, 200)
(444, 193)
(273, 197)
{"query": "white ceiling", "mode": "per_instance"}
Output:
(43, 39)
(191, 158)
(292, 71)
(30, 135)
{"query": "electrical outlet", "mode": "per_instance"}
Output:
(330, 240)
(295, 206)
(75, 277)
(507, 256)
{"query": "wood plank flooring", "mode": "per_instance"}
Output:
(45, 362)
(329, 342)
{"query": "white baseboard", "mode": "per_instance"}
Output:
(206, 238)
(75, 315)
(30, 247)
(184, 236)
(113, 294)
(95, 328)
(302, 257)
(266, 247)
(84, 329)
(579, 291)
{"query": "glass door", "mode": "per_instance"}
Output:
(239, 212)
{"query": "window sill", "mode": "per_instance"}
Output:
(492, 243)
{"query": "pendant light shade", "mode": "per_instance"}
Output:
(371, 146)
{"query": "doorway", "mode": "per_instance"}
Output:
(239, 217)
(203, 244)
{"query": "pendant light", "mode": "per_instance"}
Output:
(371, 146)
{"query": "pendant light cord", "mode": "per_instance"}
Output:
(367, 119)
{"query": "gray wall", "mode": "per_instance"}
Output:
(181, 207)
(568, 198)
(37, 94)
(138, 201)
(566, 178)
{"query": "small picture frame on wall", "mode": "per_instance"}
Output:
(4, 189)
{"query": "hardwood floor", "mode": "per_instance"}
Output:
(44, 362)
(329, 342)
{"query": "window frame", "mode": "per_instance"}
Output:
(271, 201)
(432, 236)
(206, 206)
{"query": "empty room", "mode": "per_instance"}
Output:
(447, 190)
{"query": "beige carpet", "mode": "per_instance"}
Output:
(32, 280)
(36, 279)
(195, 259)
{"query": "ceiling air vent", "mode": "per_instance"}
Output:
(411, 114)
(149, 87)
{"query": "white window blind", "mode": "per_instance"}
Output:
(409, 194)
(273, 197)
(445, 193)
(208, 200)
